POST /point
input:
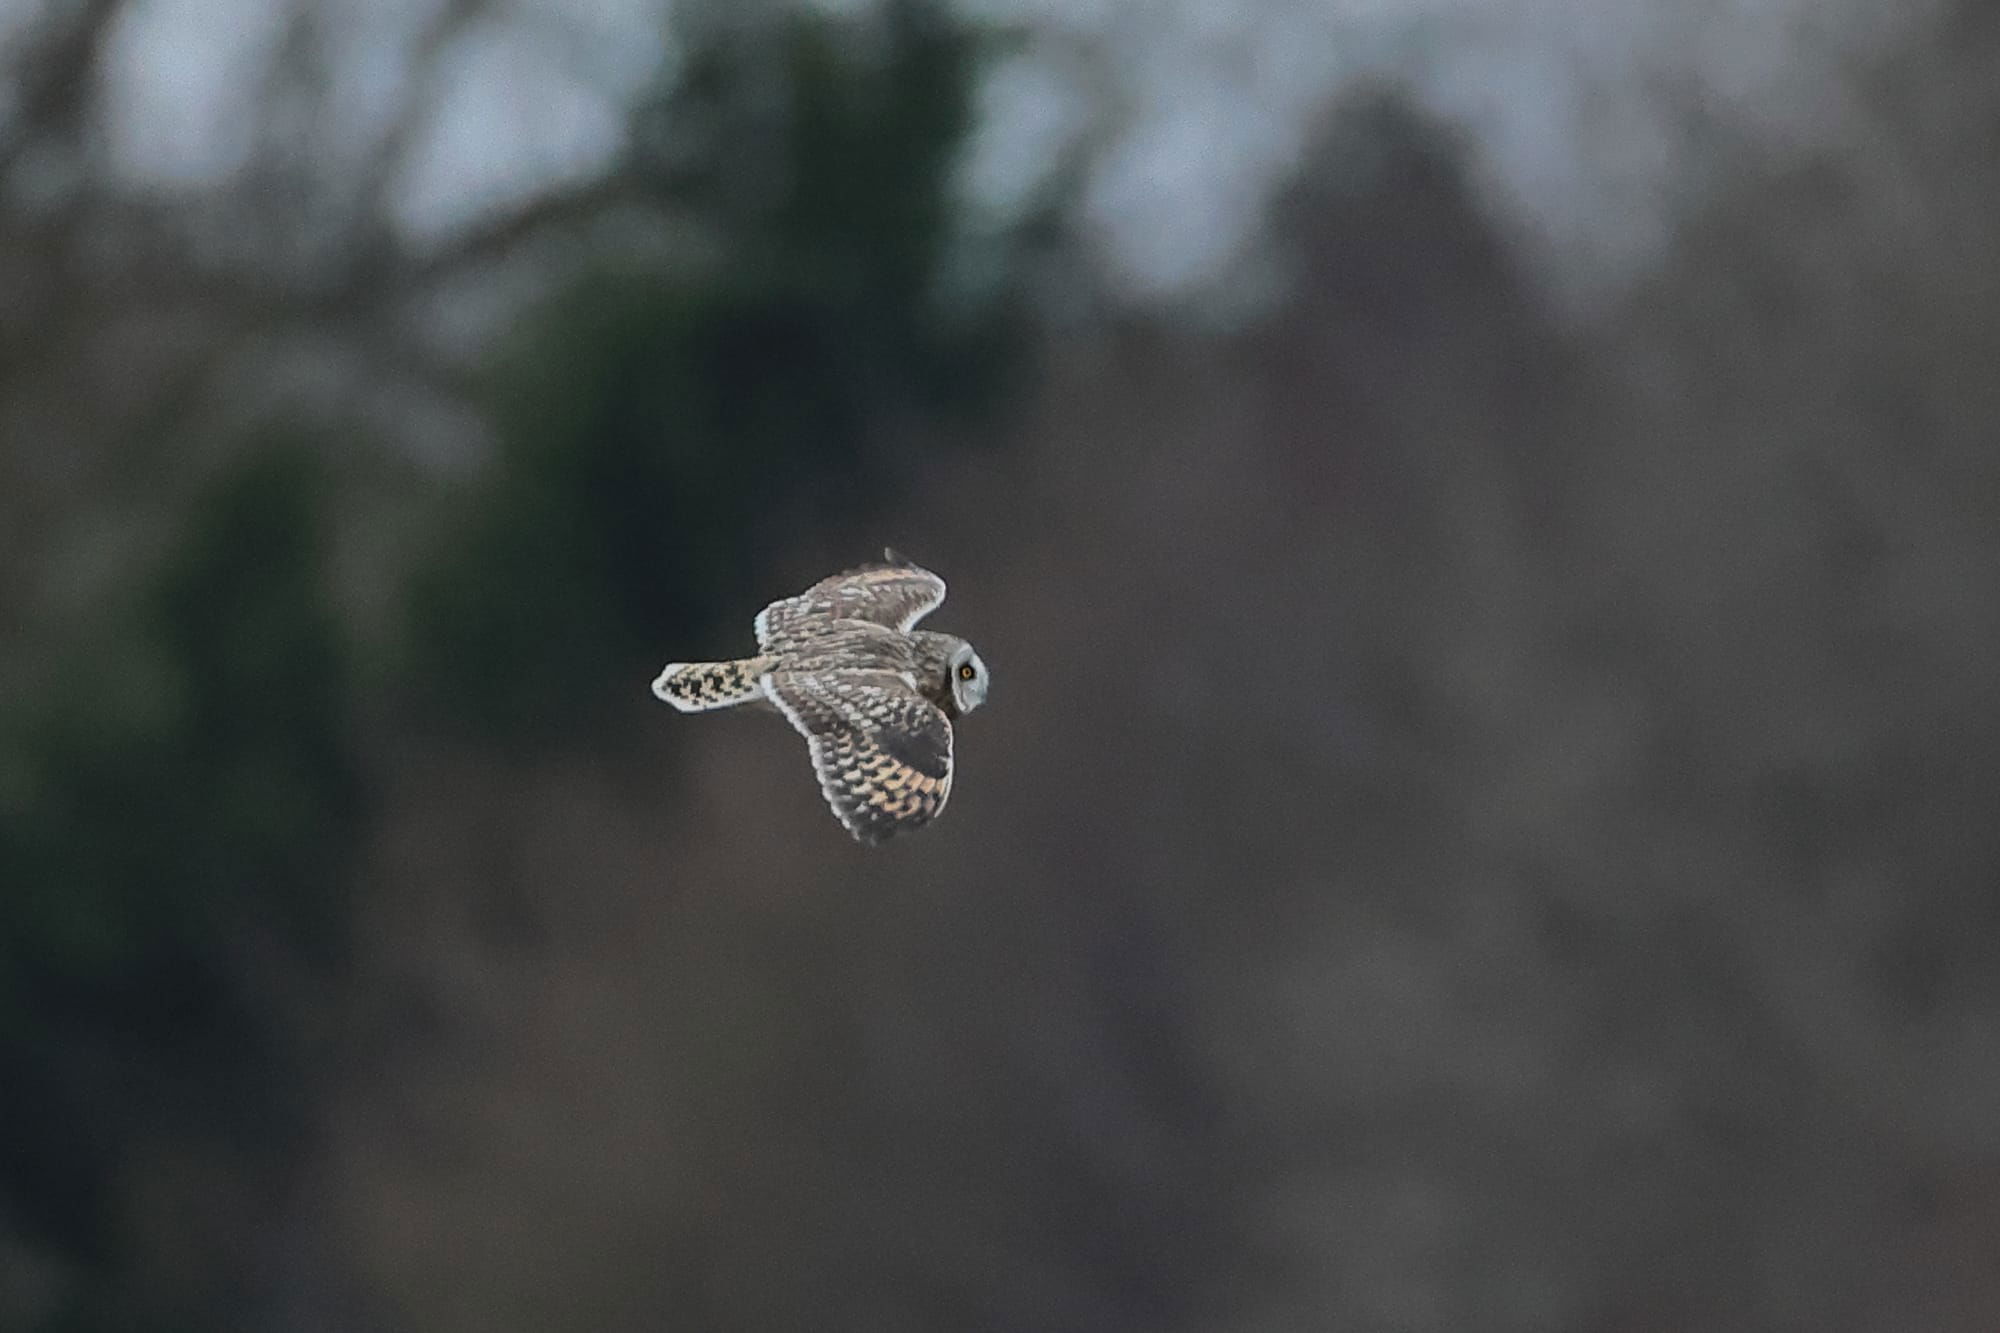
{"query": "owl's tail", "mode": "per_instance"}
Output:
(696, 687)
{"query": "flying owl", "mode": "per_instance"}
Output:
(874, 697)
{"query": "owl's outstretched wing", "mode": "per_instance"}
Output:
(881, 750)
(892, 592)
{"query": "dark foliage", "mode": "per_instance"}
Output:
(188, 788)
(660, 431)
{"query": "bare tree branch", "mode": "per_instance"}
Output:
(416, 103)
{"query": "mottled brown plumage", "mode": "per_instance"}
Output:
(874, 697)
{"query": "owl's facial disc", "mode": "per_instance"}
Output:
(968, 679)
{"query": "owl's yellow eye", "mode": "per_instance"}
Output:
(966, 672)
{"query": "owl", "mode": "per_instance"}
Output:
(874, 697)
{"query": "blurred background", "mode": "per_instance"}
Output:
(1485, 520)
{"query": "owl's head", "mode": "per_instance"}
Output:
(967, 675)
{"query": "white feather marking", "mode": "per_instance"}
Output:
(667, 673)
(686, 703)
(910, 620)
(827, 786)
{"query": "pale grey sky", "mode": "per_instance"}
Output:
(1189, 111)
